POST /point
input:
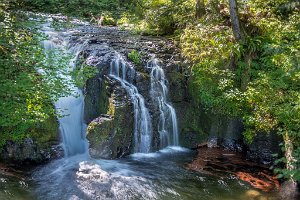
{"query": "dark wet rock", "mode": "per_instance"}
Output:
(41, 147)
(110, 135)
(263, 147)
(29, 152)
(212, 142)
(233, 145)
(96, 98)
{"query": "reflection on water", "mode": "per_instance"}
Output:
(14, 188)
(158, 175)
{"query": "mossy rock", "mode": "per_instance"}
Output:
(111, 136)
(192, 125)
(96, 101)
(40, 145)
(46, 132)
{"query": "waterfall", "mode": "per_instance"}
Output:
(167, 126)
(142, 120)
(71, 125)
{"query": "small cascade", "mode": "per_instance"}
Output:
(142, 121)
(167, 126)
(72, 127)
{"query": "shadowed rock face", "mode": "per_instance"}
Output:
(43, 146)
(111, 134)
(262, 148)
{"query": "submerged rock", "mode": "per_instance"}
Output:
(220, 161)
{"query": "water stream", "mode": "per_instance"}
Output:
(161, 175)
(142, 120)
(167, 127)
(71, 123)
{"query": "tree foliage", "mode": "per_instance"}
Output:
(26, 96)
(79, 8)
(256, 79)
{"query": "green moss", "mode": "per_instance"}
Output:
(135, 57)
(98, 132)
(114, 133)
(82, 73)
(45, 133)
(111, 108)
(104, 98)
(175, 77)
(108, 20)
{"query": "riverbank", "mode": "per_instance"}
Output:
(217, 161)
(10, 171)
(220, 162)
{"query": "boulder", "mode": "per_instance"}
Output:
(263, 147)
(41, 146)
(110, 135)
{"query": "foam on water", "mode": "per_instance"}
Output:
(167, 127)
(162, 152)
(142, 121)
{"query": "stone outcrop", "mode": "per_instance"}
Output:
(101, 93)
(263, 147)
(41, 147)
(110, 135)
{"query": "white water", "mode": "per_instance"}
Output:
(72, 127)
(167, 127)
(137, 177)
(142, 120)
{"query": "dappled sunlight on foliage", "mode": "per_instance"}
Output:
(262, 80)
(26, 96)
(74, 8)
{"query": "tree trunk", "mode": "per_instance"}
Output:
(235, 22)
(290, 160)
(200, 9)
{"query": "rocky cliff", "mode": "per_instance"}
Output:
(196, 125)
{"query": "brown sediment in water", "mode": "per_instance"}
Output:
(217, 161)
(9, 171)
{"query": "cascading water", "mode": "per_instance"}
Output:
(167, 127)
(142, 120)
(72, 127)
